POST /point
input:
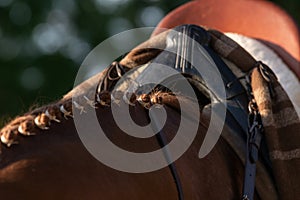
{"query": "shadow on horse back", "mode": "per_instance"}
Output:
(44, 156)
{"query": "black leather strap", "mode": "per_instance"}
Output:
(163, 142)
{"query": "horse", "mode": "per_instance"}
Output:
(43, 156)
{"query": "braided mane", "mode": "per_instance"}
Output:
(82, 97)
(41, 118)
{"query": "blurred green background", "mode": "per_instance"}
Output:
(43, 43)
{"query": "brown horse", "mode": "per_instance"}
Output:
(47, 159)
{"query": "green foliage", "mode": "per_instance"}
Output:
(42, 43)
